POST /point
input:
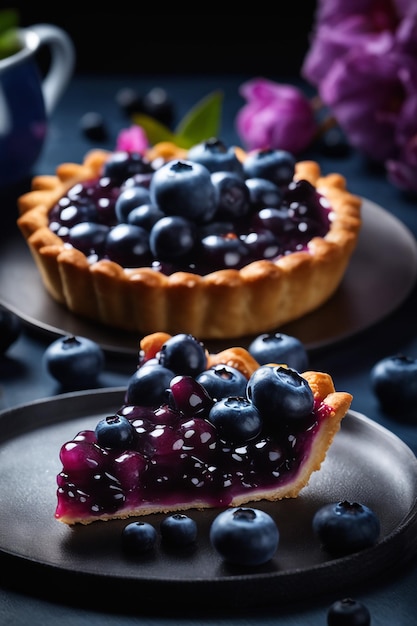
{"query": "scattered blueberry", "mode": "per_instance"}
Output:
(394, 382)
(138, 537)
(178, 530)
(279, 348)
(280, 394)
(10, 329)
(74, 361)
(115, 432)
(245, 536)
(345, 527)
(93, 126)
(334, 143)
(348, 612)
(156, 103)
(129, 101)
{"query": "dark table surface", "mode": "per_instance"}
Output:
(391, 599)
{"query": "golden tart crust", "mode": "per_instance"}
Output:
(227, 303)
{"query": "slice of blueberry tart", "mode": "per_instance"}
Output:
(199, 430)
(156, 241)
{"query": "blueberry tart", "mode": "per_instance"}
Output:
(214, 242)
(189, 448)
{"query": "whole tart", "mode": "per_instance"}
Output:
(227, 302)
(177, 459)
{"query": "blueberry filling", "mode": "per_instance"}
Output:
(174, 458)
(204, 220)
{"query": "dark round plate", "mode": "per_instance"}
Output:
(380, 276)
(366, 463)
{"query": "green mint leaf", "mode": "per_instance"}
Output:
(9, 41)
(155, 131)
(202, 121)
(9, 19)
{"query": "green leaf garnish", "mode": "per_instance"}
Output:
(9, 40)
(155, 131)
(200, 123)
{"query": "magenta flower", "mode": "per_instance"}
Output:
(275, 116)
(363, 62)
(132, 139)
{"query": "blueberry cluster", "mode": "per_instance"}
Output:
(208, 212)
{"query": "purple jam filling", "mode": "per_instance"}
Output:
(263, 233)
(177, 460)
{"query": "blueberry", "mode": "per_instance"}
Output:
(280, 394)
(215, 156)
(221, 381)
(128, 245)
(334, 143)
(279, 348)
(345, 527)
(114, 432)
(278, 166)
(93, 126)
(263, 193)
(10, 329)
(348, 612)
(184, 188)
(394, 382)
(232, 195)
(183, 354)
(158, 104)
(74, 361)
(245, 536)
(262, 244)
(130, 198)
(128, 100)
(236, 418)
(145, 216)
(223, 252)
(276, 220)
(189, 397)
(89, 237)
(122, 165)
(178, 530)
(172, 237)
(148, 385)
(138, 537)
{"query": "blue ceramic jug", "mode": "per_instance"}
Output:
(28, 97)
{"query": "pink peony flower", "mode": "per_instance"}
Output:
(363, 62)
(275, 116)
(132, 139)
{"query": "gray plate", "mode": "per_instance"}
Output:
(366, 463)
